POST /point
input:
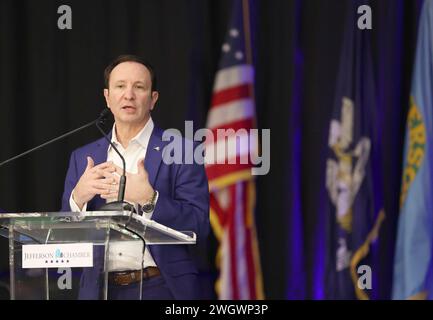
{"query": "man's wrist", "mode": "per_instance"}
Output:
(75, 206)
(148, 198)
(79, 204)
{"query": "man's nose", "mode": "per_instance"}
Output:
(129, 93)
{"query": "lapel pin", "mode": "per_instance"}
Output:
(156, 148)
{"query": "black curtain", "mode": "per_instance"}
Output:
(51, 81)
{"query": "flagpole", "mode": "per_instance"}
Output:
(251, 184)
(248, 48)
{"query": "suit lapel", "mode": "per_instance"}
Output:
(153, 155)
(101, 149)
(99, 156)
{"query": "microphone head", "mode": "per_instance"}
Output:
(103, 115)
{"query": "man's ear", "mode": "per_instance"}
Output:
(106, 93)
(155, 96)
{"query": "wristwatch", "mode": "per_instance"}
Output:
(150, 206)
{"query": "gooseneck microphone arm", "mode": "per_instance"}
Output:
(122, 183)
(120, 204)
(67, 134)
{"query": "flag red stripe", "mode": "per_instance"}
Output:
(230, 94)
(217, 208)
(236, 125)
(215, 171)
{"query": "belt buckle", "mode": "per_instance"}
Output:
(124, 278)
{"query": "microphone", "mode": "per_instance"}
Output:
(67, 134)
(120, 204)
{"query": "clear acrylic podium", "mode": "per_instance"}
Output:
(42, 238)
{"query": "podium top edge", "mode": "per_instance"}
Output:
(65, 214)
(141, 222)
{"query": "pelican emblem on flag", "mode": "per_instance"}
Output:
(344, 176)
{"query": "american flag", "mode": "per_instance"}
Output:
(228, 168)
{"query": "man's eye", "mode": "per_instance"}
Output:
(140, 87)
(120, 86)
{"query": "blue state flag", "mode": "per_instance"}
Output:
(412, 278)
(353, 177)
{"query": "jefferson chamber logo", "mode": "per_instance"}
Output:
(57, 255)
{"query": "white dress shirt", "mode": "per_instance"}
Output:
(125, 255)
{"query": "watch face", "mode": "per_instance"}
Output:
(147, 207)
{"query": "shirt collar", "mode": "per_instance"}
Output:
(141, 138)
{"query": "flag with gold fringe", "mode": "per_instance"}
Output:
(353, 170)
(228, 166)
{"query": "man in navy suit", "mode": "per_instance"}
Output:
(175, 195)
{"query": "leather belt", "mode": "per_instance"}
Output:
(124, 278)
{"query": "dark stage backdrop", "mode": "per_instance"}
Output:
(51, 81)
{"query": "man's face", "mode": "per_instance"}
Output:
(129, 96)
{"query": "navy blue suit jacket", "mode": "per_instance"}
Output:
(183, 204)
